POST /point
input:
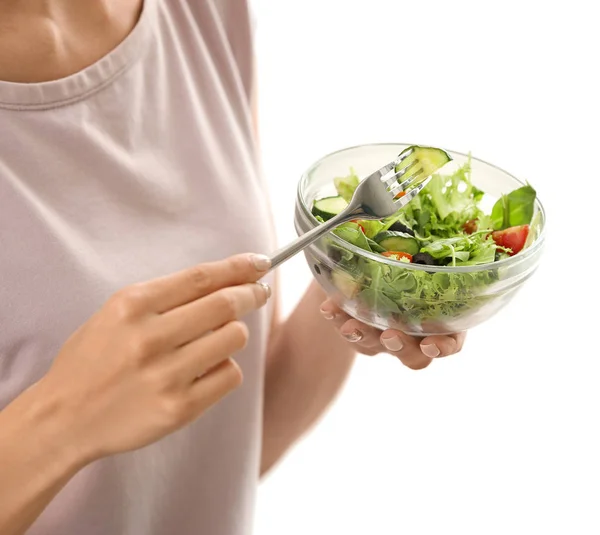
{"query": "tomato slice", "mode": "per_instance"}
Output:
(470, 226)
(397, 255)
(512, 238)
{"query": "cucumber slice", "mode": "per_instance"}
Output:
(328, 207)
(430, 159)
(375, 247)
(345, 283)
(398, 241)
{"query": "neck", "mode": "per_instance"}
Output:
(57, 9)
(42, 40)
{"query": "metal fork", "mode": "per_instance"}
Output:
(377, 196)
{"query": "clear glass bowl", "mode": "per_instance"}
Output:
(476, 292)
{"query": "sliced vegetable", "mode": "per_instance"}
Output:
(512, 238)
(375, 247)
(401, 227)
(397, 255)
(470, 226)
(329, 207)
(424, 160)
(423, 258)
(398, 241)
(345, 283)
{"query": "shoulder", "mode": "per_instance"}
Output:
(230, 21)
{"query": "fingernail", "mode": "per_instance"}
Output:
(392, 344)
(261, 262)
(354, 336)
(266, 288)
(327, 314)
(430, 350)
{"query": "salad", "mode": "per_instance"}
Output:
(445, 225)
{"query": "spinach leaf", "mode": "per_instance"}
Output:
(514, 209)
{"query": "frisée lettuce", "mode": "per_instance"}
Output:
(444, 225)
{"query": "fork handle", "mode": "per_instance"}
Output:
(285, 253)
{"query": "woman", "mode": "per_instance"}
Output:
(130, 195)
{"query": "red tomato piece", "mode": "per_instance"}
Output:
(470, 226)
(397, 255)
(512, 238)
(361, 227)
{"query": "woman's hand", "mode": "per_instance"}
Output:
(415, 353)
(154, 357)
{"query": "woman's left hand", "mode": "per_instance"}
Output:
(415, 353)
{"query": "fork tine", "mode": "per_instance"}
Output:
(405, 199)
(382, 171)
(400, 173)
(402, 187)
(402, 156)
(390, 166)
(395, 191)
(410, 179)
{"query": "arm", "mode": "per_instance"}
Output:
(309, 358)
(307, 364)
(311, 354)
(302, 378)
(117, 386)
(34, 464)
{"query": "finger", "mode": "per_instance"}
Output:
(442, 346)
(198, 357)
(188, 322)
(355, 331)
(215, 385)
(334, 314)
(329, 309)
(406, 348)
(166, 293)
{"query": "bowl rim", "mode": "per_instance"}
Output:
(505, 262)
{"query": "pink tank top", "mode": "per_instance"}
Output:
(138, 166)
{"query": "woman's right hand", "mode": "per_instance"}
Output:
(154, 357)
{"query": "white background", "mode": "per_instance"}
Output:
(502, 438)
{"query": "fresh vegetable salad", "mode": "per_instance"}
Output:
(445, 225)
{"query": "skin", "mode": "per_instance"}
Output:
(161, 350)
(151, 360)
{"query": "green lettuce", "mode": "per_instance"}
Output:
(438, 217)
(346, 185)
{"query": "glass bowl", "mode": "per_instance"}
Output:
(457, 298)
